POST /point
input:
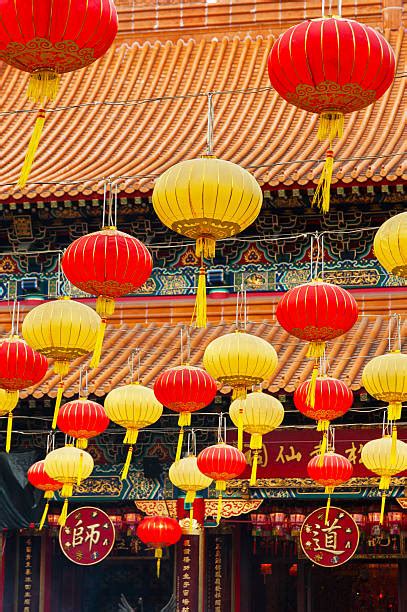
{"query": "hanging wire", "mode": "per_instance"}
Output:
(134, 353)
(211, 118)
(83, 382)
(50, 441)
(322, 257)
(394, 330)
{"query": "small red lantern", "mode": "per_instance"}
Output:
(82, 419)
(331, 400)
(39, 479)
(108, 264)
(331, 66)
(185, 389)
(221, 462)
(159, 531)
(330, 471)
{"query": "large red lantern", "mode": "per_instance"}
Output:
(82, 419)
(330, 471)
(39, 479)
(184, 389)
(48, 38)
(331, 66)
(108, 264)
(158, 532)
(221, 462)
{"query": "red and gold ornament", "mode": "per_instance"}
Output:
(39, 479)
(158, 532)
(330, 470)
(82, 419)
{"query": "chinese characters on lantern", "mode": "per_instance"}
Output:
(87, 537)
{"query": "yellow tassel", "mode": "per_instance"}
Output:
(131, 436)
(67, 490)
(9, 431)
(64, 513)
(97, 351)
(80, 470)
(322, 193)
(205, 247)
(61, 368)
(330, 126)
(126, 466)
(184, 419)
(328, 506)
(57, 404)
(32, 149)
(239, 392)
(43, 86)
(191, 518)
(44, 516)
(393, 451)
(82, 443)
(394, 411)
(240, 429)
(190, 497)
(384, 483)
(158, 555)
(179, 445)
(200, 302)
(253, 477)
(312, 386)
(219, 511)
(382, 508)
(315, 350)
(105, 306)
(48, 494)
(322, 425)
(323, 450)
(256, 441)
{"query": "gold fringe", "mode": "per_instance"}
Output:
(328, 506)
(384, 483)
(44, 516)
(61, 368)
(191, 518)
(256, 441)
(322, 193)
(330, 126)
(219, 510)
(32, 149)
(97, 351)
(200, 301)
(9, 431)
(158, 555)
(126, 466)
(80, 470)
(190, 497)
(184, 419)
(239, 392)
(105, 306)
(323, 450)
(312, 386)
(253, 476)
(240, 430)
(64, 513)
(82, 443)
(179, 445)
(57, 404)
(394, 411)
(48, 494)
(67, 490)
(393, 451)
(43, 85)
(322, 425)
(315, 350)
(382, 506)
(131, 436)
(205, 247)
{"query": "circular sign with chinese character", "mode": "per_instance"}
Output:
(87, 536)
(332, 543)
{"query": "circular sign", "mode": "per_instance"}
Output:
(87, 536)
(332, 543)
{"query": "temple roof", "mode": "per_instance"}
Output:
(99, 137)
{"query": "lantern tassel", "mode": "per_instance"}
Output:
(44, 516)
(240, 430)
(393, 451)
(253, 476)
(97, 351)
(383, 504)
(190, 497)
(315, 350)
(82, 443)
(322, 425)
(57, 404)
(324, 444)
(191, 517)
(131, 436)
(384, 483)
(200, 302)
(9, 431)
(239, 392)
(312, 386)
(219, 511)
(394, 411)
(80, 470)
(126, 466)
(179, 445)
(158, 555)
(43, 86)
(328, 506)
(330, 126)
(205, 247)
(322, 193)
(32, 149)
(61, 368)
(64, 513)
(105, 306)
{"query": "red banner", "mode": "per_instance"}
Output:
(286, 452)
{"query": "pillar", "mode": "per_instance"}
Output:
(190, 559)
(403, 585)
(219, 570)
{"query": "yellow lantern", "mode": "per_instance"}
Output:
(186, 475)
(240, 360)
(133, 407)
(385, 378)
(260, 413)
(206, 199)
(8, 401)
(390, 245)
(385, 459)
(62, 330)
(70, 466)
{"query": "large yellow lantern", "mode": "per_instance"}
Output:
(385, 378)
(240, 360)
(70, 466)
(8, 401)
(186, 475)
(390, 245)
(385, 459)
(206, 199)
(62, 330)
(132, 407)
(259, 413)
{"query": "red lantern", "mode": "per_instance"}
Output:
(46, 41)
(185, 389)
(331, 66)
(159, 531)
(332, 400)
(82, 419)
(39, 479)
(109, 264)
(330, 471)
(221, 462)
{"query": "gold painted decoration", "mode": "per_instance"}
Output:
(390, 245)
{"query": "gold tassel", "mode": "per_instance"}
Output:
(328, 506)
(253, 477)
(80, 470)
(205, 247)
(240, 430)
(61, 368)
(190, 497)
(57, 404)
(256, 441)
(131, 436)
(393, 451)
(315, 350)
(330, 126)
(312, 386)
(184, 419)
(158, 555)
(382, 508)
(105, 306)
(322, 193)
(323, 450)
(97, 351)
(64, 513)
(239, 392)
(384, 483)
(394, 411)
(191, 518)
(44, 516)
(43, 86)
(82, 443)
(200, 302)
(219, 511)
(322, 425)
(126, 466)
(9, 431)
(32, 149)
(179, 445)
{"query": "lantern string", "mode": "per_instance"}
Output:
(211, 118)
(134, 353)
(83, 382)
(181, 343)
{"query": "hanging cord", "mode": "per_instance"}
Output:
(211, 118)
(130, 362)
(83, 390)
(394, 331)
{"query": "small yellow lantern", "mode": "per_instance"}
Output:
(260, 413)
(70, 466)
(385, 378)
(240, 360)
(390, 245)
(186, 475)
(133, 407)
(384, 458)
(8, 401)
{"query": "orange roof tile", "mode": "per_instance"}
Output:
(153, 325)
(257, 130)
